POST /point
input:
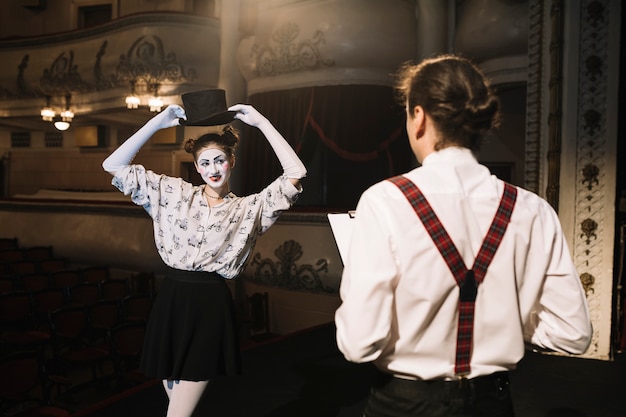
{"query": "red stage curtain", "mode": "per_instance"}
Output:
(348, 136)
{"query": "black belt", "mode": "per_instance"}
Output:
(498, 381)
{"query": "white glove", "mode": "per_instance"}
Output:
(125, 153)
(292, 165)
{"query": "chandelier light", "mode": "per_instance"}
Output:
(61, 124)
(132, 101)
(67, 115)
(155, 103)
(48, 113)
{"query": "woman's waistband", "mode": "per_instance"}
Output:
(194, 276)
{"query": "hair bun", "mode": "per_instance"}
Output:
(481, 114)
(230, 135)
(188, 146)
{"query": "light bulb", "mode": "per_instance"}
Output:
(61, 125)
(155, 104)
(132, 102)
(67, 115)
(47, 114)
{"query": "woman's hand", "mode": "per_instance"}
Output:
(293, 168)
(248, 114)
(125, 153)
(169, 117)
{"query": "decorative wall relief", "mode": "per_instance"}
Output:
(293, 44)
(285, 55)
(592, 147)
(589, 228)
(590, 176)
(102, 59)
(22, 86)
(147, 62)
(592, 120)
(102, 81)
(286, 273)
(556, 108)
(534, 113)
(587, 280)
(62, 76)
(594, 238)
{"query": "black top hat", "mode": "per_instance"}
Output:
(206, 108)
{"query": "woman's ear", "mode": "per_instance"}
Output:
(195, 164)
(232, 161)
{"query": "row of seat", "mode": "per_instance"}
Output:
(34, 268)
(72, 340)
(29, 377)
(28, 266)
(23, 310)
(17, 261)
(48, 291)
(32, 281)
(29, 252)
(35, 276)
(26, 389)
(56, 320)
(9, 243)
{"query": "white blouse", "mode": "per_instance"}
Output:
(189, 234)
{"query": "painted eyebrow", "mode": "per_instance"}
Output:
(214, 159)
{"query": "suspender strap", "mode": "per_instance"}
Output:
(467, 280)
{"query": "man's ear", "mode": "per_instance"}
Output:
(415, 123)
(420, 120)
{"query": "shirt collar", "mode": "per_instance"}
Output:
(453, 155)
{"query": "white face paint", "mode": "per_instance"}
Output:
(214, 167)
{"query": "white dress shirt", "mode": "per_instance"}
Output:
(400, 300)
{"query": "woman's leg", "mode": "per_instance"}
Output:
(184, 396)
(168, 385)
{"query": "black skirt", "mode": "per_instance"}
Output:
(191, 333)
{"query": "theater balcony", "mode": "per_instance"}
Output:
(90, 72)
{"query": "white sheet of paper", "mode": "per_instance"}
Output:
(341, 226)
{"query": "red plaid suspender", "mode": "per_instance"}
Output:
(467, 280)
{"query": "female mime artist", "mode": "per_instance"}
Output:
(204, 234)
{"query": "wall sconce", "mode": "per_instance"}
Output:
(155, 103)
(132, 101)
(48, 113)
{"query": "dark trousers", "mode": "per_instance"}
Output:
(485, 396)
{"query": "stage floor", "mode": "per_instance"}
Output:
(304, 375)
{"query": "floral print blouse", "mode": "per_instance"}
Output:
(189, 234)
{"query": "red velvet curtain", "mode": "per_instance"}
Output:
(348, 136)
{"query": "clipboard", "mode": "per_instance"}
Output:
(341, 225)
